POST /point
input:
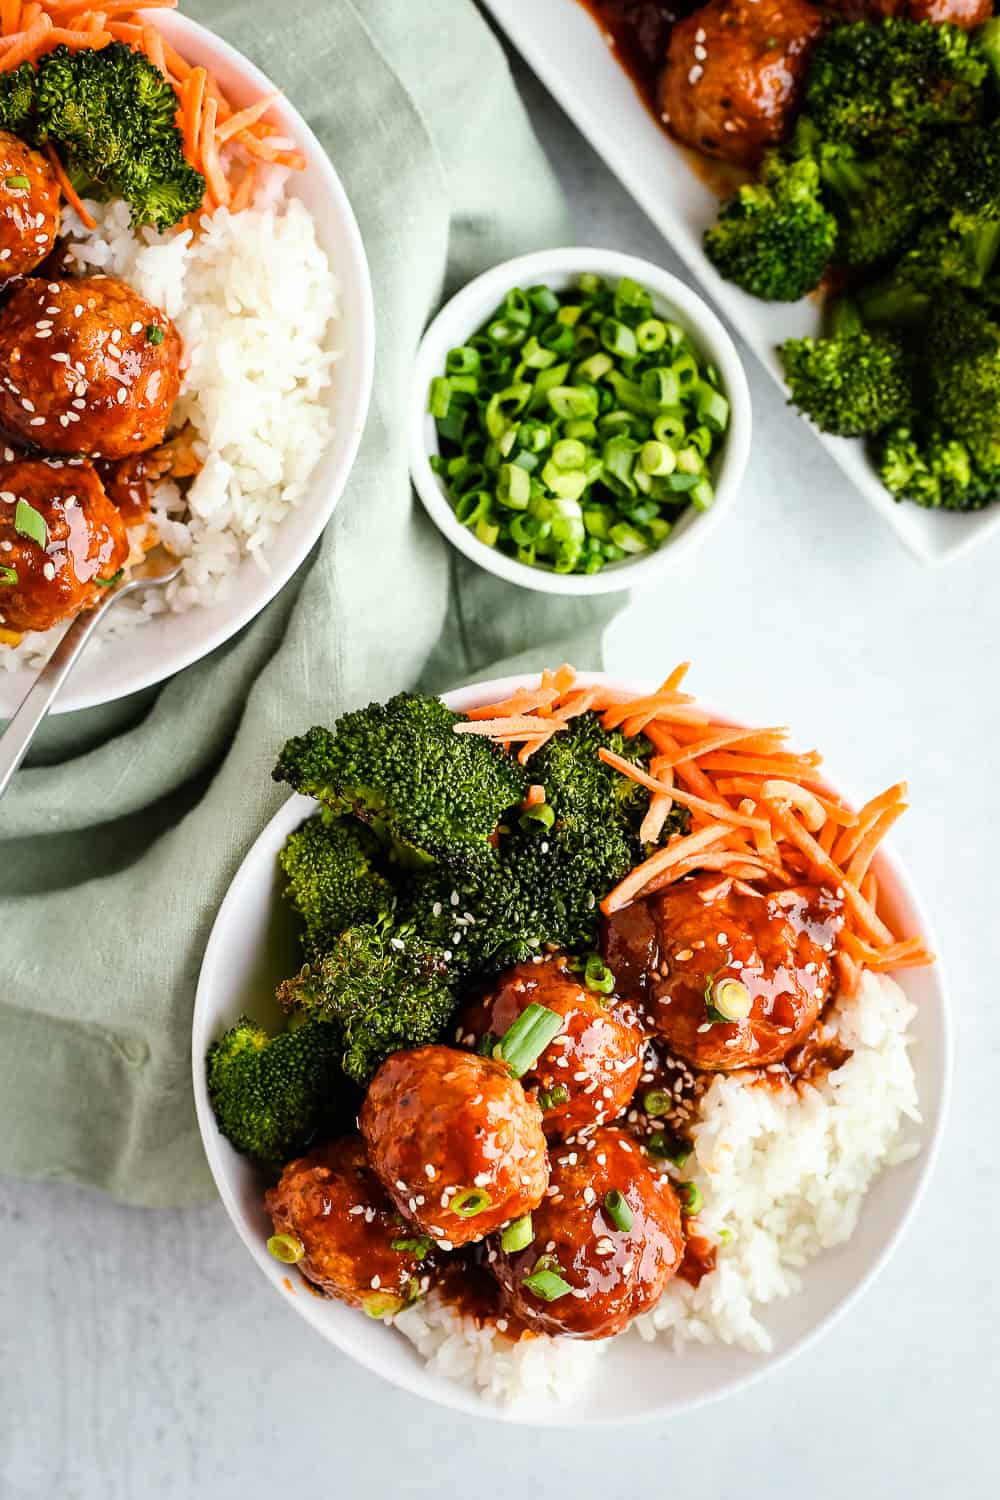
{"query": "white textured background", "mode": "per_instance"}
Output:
(142, 1356)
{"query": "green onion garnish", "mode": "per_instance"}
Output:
(30, 522)
(287, 1248)
(692, 1201)
(553, 1097)
(17, 182)
(548, 1285)
(597, 976)
(726, 1001)
(667, 1148)
(575, 427)
(528, 1038)
(420, 1247)
(106, 583)
(656, 1101)
(618, 1211)
(154, 335)
(517, 1236)
(382, 1304)
(541, 815)
(468, 1202)
(487, 1044)
(8, 576)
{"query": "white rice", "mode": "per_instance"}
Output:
(255, 302)
(783, 1171)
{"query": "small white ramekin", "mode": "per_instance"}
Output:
(470, 308)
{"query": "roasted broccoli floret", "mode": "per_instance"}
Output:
(273, 1095)
(775, 238)
(878, 202)
(885, 85)
(17, 99)
(333, 879)
(113, 116)
(963, 368)
(939, 472)
(851, 383)
(432, 794)
(379, 988)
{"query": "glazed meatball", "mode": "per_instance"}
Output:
(332, 1201)
(87, 366)
(733, 73)
(456, 1142)
(591, 1067)
(29, 207)
(84, 540)
(778, 946)
(614, 1274)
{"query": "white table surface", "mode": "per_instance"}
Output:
(142, 1356)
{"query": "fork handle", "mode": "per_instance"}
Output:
(17, 737)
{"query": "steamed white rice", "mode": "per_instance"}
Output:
(783, 1173)
(255, 302)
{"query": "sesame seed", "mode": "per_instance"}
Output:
(375, 1283)
(37, 422)
(430, 1171)
(28, 405)
(694, 74)
(78, 310)
(700, 53)
(4, 255)
(43, 333)
(135, 328)
(49, 570)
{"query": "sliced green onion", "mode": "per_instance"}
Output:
(656, 1101)
(692, 1201)
(553, 1097)
(468, 1202)
(382, 1304)
(487, 1044)
(17, 182)
(597, 976)
(30, 522)
(542, 814)
(462, 361)
(725, 1236)
(651, 335)
(548, 1285)
(440, 397)
(667, 1148)
(420, 1247)
(8, 576)
(513, 486)
(106, 583)
(154, 335)
(287, 1248)
(528, 1038)
(517, 1236)
(618, 1210)
(727, 1000)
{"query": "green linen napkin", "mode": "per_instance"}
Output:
(118, 843)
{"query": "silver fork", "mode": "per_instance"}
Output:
(157, 569)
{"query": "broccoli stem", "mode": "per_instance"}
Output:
(987, 41)
(894, 302)
(844, 318)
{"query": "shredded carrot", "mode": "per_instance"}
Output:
(657, 863)
(503, 728)
(521, 702)
(245, 118)
(714, 809)
(10, 16)
(244, 191)
(152, 45)
(25, 46)
(864, 853)
(69, 192)
(535, 797)
(218, 186)
(677, 676)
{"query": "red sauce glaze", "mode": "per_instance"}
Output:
(440, 1123)
(86, 541)
(29, 207)
(128, 485)
(332, 1201)
(595, 1060)
(87, 366)
(698, 1259)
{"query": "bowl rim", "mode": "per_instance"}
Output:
(191, 37)
(470, 305)
(452, 1395)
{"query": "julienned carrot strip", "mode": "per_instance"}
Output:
(848, 972)
(76, 41)
(869, 889)
(243, 194)
(712, 809)
(501, 728)
(29, 13)
(244, 118)
(826, 836)
(687, 771)
(724, 761)
(524, 701)
(269, 153)
(660, 804)
(10, 16)
(65, 9)
(210, 165)
(25, 45)
(640, 877)
(68, 190)
(152, 45)
(535, 796)
(866, 820)
(575, 705)
(529, 747)
(865, 852)
(817, 856)
(696, 750)
(662, 705)
(678, 675)
(192, 102)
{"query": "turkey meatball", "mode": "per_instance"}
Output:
(29, 207)
(588, 1072)
(457, 1143)
(356, 1246)
(777, 946)
(53, 553)
(87, 366)
(733, 73)
(613, 1273)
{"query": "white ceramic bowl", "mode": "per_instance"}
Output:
(156, 651)
(470, 308)
(252, 947)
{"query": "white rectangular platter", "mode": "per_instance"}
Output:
(569, 52)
